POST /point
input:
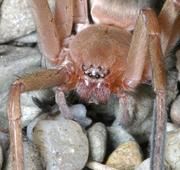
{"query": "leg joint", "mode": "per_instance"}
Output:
(18, 84)
(151, 21)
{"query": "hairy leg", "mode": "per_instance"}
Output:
(49, 37)
(39, 80)
(81, 15)
(61, 101)
(146, 40)
(69, 12)
(64, 17)
(80, 12)
(159, 84)
(167, 18)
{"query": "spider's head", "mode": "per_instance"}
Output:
(92, 86)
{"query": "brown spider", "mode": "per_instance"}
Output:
(99, 59)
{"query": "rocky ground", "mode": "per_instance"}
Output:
(53, 143)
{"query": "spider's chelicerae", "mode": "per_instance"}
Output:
(120, 48)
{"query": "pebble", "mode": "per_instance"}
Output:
(1, 157)
(32, 160)
(16, 19)
(28, 39)
(175, 111)
(145, 165)
(62, 144)
(97, 136)
(79, 112)
(98, 166)
(118, 135)
(171, 127)
(125, 156)
(172, 150)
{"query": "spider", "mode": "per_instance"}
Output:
(123, 48)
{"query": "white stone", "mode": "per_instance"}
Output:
(16, 19)
(97, 136)
(145, 165)
(172, 150)
(175, 111)
(62, 144)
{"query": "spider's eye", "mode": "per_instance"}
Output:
(89, 74)
(100, 68)
(95, 72)
(97, 76)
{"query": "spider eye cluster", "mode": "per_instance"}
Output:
(95, 72)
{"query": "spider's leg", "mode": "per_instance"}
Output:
(146, 40)
(61, 101)
(169, 21)
(125, 117)
(66, 111)
(51, 33)
(137, 55)
(69, 12)
(159, 84)
(136, 62)
(64, 17)
(80, 14)
(35, 81)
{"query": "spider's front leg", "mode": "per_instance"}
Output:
(39, 80)
(53, 29)
(169, 21)
(146, 42)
